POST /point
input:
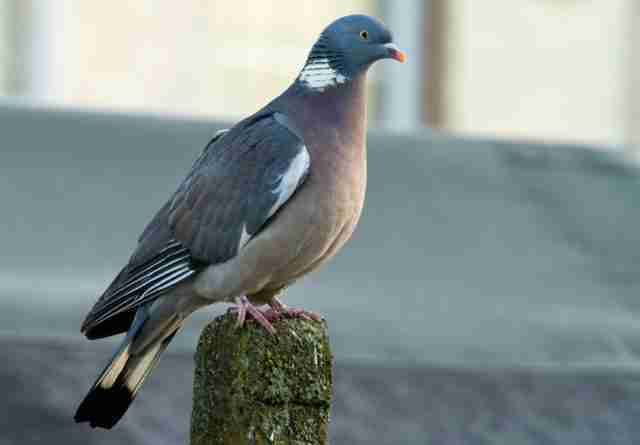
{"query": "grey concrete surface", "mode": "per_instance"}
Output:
(43, 380)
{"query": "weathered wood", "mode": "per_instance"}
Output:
(254, 388)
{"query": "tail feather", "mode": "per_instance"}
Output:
(104, 407)
(119, 382)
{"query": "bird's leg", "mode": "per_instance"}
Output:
(245, 307)
(276, 310)
(279, 308)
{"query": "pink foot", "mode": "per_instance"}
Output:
(278, 308)
(245, 307)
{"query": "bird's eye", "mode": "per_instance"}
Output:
(364, 35)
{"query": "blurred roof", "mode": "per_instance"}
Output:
(468, 251)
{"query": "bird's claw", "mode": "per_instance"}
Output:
(245, 307)
(276, 310)
(279, 309)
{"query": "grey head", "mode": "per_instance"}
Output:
(345, 49)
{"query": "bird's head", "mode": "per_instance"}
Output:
(346, 48)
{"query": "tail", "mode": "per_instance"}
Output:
(119, 382)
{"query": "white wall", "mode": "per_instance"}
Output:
(217, 58)
(539, 69)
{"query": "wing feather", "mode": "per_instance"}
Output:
(237, 189)
(143, 284)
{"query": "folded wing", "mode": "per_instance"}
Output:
(233, 190)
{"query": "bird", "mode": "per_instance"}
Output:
(268, 200)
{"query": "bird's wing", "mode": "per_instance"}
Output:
(234, 188)
(237, 188)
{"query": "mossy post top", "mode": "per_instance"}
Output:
(253, 387)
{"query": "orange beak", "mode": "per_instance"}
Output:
(395, 52)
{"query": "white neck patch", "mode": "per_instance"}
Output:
(318, 75)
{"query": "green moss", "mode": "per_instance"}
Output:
(252, 387)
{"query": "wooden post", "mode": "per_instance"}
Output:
(251, 387)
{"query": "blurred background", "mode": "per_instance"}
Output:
(533, 69)
(491, 292)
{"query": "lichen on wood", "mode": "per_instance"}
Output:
(251, 387)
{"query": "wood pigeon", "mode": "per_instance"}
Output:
(268, 201)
